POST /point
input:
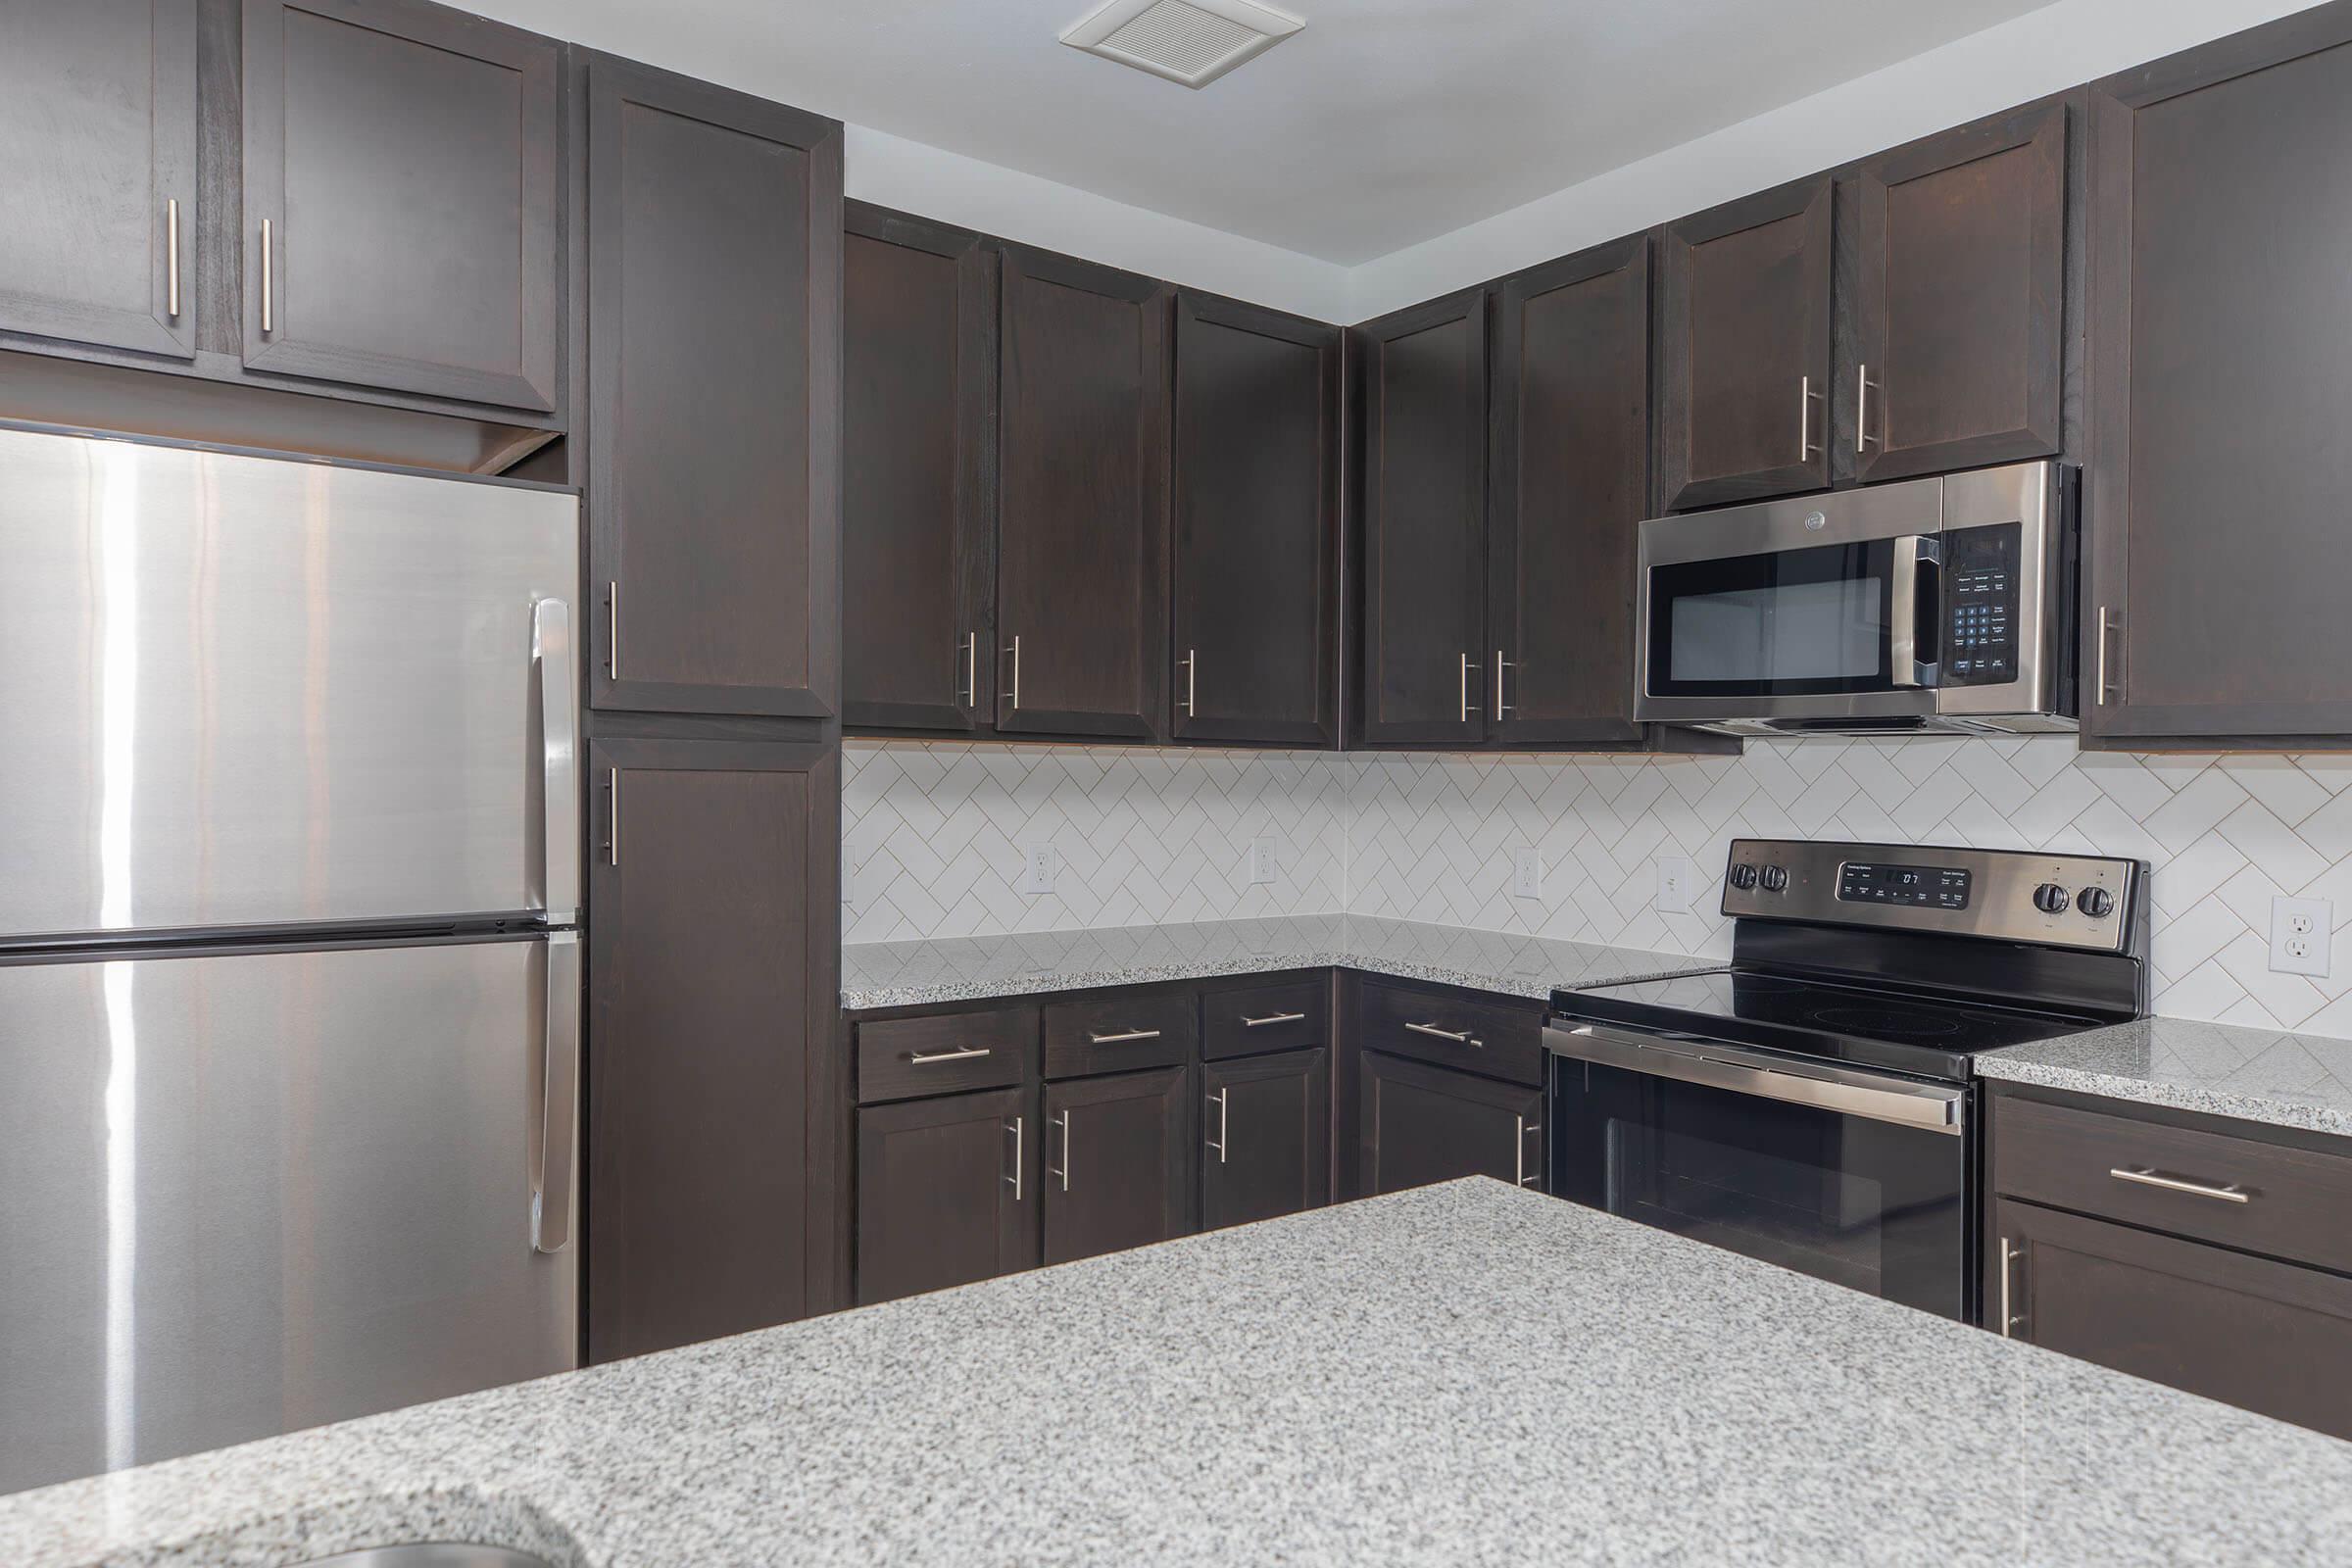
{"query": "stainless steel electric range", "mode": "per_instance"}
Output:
(1813, 1103)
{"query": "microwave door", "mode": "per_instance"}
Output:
(1821, 621)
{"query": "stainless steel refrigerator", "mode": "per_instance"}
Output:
(289, 968)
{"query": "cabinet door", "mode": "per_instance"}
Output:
(1255, 584)
(1744, 349)
(407, 159)
(1082, 609)
(2265, 1336)
(98, 135)
(1424, 400)
(714, 447)
(1118, 1162)
(2219, 369)
(713, 947)
(1959, 301)
(947, 1191)
(919, 491)
(1571, 453)
(1423, 1124)
(1265, 1137)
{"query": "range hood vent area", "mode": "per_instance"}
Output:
(1188, 41)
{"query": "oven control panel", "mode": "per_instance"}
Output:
(1929, 887)
(2093, 902)
(1980, 605)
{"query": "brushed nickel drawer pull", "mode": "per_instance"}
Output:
(1249, 1022)
(1014, 1127)
(1121, 1037)
(2009, 1256)
(1464, 1037)
(1218, 1099)
(921, 1059)
(1520, 1175)
(1061, 1121)
(2231, 1194)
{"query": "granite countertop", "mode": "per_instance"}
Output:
(2265, 1075)
(1465, 1374)
(908, 975)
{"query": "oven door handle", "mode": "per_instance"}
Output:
(1929, 1107)
(1918, 566)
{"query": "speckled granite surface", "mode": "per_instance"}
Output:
(909, 974)
(1467, 1374)
(2287, 1080)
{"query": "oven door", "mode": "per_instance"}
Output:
(1856, 1177)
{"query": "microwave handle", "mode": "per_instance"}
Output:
(1915, 589)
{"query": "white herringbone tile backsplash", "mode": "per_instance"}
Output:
(933, 836)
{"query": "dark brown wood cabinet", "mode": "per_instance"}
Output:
(1082, 618)
(918, 474)
(1743, 348)
(1956, 356)
(1423, 487)
(2219, 378)
(1570, 488)
(712, 963)
(402, 177)
(714, 445)
(1423, 1124)
(98, 133)
(1255, 585)
(1265, 1136)
(947, 1191)
(1118, 1162)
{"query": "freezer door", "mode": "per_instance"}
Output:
(246, 1193)
(249, 691)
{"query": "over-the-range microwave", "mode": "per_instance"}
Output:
(1929, 606)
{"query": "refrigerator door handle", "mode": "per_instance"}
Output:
(559, 761)
(560, 1099)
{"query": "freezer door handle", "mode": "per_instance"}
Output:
(559, 761)
(560, 1103)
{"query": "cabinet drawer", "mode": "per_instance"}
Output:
(1118, 1032)
(1251, 1020)
(899, 1058)
(1492, 1038)
(2239, 1192)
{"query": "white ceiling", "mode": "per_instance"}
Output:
(1383, 123)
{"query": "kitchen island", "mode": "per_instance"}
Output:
(1462, 1373)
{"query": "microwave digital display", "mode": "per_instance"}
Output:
(1932, 887)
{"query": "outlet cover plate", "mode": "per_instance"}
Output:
(1039, 865)
(1677, 879)
(2300, 929)
(1265, 865)
(1527, 873)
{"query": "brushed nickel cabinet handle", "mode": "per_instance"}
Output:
(1014, 695)
(2230, 1194)
(2010, 1319)
(171, 258)
(1014, 1127)
(612, 816)
(1063, 1122)
(924, 1058)
(1805, 397)
(2102, 659)
(1500, 665)
(1520, 1175)
(1218, 1143)
(1862, 385)
(1192, 673)
(1121, 1037)
(971, 669)
(613, 630)
(1462, 1038)
(1249, 1022)
(1468, 665)
(266, 288)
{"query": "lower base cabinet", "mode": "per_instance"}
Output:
(1118, 1162)
(1265, 1137)
(947, 1191)
(1423, 1124)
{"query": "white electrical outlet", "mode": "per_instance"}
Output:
(1677, 878)
(1037, 867)
(2299, 933)
(1263, 863)
(1527, 873)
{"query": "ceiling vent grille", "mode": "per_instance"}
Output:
(1187, 41)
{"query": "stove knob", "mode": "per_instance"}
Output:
(1743, 877)
(2050, 899)
(2097, 903)
(1776, 878)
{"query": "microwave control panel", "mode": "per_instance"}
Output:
(1979, 597)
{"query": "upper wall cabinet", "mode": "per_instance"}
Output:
(1082, 619)
(2220, 368)
(1423, 393)
(403, 177)
(1570, 486)
(98, 135)
(1957, 353)
(918, 473)
(713, 454)
(1743, 348)
(1255, 585)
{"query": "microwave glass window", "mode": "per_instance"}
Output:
(1792, 632)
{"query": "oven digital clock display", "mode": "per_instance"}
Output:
(1931, 887)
